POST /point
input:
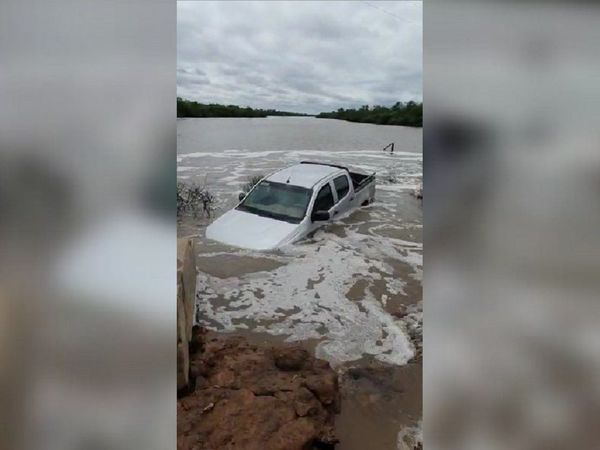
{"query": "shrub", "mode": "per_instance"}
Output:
(252, 181)
(194, 199)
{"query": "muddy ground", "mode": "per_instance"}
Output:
(249, 394)
(246, 396)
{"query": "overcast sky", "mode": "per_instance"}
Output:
(299, 56)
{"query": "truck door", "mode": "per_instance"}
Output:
(344, 195)
(324, 200)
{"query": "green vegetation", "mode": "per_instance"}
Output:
(408, 114)
(187, 108)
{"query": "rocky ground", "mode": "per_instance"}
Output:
(251, 397)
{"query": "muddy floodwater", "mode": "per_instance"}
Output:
(351, 293)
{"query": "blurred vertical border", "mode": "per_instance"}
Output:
(512, 225)
(87, 224)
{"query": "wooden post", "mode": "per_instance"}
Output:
(186, 307)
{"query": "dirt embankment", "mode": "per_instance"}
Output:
(243, 396)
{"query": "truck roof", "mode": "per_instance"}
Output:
(304, 175)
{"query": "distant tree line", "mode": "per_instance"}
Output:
(408, 114)
(187, 108)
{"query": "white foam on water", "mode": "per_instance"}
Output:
(289, 305)
(395, 286)
(340, 154)
(397, 187)
(227, 154)
(410, 438)
(307, 297)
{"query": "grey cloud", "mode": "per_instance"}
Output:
(301, 56)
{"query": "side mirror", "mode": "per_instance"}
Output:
(241, 196)
(319, 216)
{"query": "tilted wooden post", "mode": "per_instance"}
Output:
(186, 303)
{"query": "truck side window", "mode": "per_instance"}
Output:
(341, 186)
(324, 200)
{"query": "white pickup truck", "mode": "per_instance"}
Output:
(290, 204)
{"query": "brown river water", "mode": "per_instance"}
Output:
(351, 293)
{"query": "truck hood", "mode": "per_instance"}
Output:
(246, 230)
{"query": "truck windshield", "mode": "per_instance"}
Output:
(278, 201)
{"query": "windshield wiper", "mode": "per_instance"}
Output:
(258, 212)
(268, 214)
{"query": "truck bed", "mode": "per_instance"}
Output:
(360, 180)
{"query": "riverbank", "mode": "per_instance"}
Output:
(186, 108)
(255, 392)
(248, 396)
(409, 114)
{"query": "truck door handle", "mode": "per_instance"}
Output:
(335, 212)
(351, 198)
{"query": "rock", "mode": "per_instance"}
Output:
(292, 358)
(325, 387)
(257, 398)
(305, 403)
